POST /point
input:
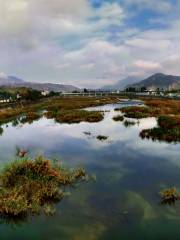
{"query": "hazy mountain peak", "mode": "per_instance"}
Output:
(121, 84)
(12, 81)
(159, 80)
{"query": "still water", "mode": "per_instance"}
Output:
(124, 201)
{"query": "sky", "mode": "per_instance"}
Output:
(88, 43)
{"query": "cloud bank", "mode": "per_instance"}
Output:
(88, 43)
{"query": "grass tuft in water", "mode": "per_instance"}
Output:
(33, 186)
(169, 196)
(102, 138)
(75, 116)
(168, 130)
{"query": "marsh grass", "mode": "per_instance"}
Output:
(76, 116)
(53, 106)
(34, 186)
(168, 130)
(139, 112)
(169, 196)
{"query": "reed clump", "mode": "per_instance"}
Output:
(168, 130)
(33, 186)
(139, 112)
(76, 116)
(102, 138)
(169, 196)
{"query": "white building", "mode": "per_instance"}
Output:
(45, 93)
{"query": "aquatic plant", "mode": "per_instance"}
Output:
(87, 133)
(169, 196)
(102, 137)
(168, 130)
(77, 116)
(138, 112)
(33, 186)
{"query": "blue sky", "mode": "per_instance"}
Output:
(89, 43)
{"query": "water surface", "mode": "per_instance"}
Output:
(123, 203)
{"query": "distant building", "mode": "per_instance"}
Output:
(45, 93)
(5, 100)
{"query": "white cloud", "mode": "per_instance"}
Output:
(72, 42)
(147, 65)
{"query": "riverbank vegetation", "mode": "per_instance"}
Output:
(167, 113)
(168, 129)
(75, 116)
(55, 106)
(30, 187)
(139, 112)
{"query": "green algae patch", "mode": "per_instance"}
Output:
(34, 186)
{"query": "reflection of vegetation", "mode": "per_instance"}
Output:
(76, 116)
(30, 117)
(53, 105)
(1, 130)
(102, 138)
(169, 196)
(87, 133)
(129, 123)
(32, 186)
(168, 130)
(15, 122)
(21, 152)
(118, 118)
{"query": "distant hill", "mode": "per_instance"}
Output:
(121, 84)
(11, 81)
(158, 80)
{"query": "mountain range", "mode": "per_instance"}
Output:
(158, 80)
(11, 81)
(120, 85)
